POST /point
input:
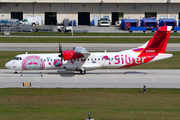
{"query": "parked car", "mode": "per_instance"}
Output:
(30, 21)
(104, 22)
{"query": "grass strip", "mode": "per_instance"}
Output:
(74, 104)
(79, 40)
(170, 63)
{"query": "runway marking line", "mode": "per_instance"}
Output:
(113, 76)
(151, 77)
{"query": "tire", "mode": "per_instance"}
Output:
(82, 72)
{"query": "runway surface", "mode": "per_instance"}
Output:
(68, 46)
(103, 78)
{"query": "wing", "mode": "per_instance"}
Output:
(77, 52)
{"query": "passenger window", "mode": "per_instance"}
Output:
(91, 59)
(88, 59)
(44, 60)
(112, 59)
(94, 58)
(74, 59)
(102, 58)
(20, 58)
(98, 58)
(118, 58)
(48, 60)
(51, 60)
(77, 59)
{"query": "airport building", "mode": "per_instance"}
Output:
(83, 11)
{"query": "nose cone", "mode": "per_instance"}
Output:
(7, 65)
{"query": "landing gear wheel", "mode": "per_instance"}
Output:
(82, 71)
(15, 72)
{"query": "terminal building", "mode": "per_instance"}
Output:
(83, 11)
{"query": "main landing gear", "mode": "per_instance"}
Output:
(82, 71)
(15, 72)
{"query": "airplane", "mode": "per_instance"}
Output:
(79, 59)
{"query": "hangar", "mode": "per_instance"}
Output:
(83, 11)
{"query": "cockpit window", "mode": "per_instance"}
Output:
(17, 58)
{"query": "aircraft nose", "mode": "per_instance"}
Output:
(7, 65)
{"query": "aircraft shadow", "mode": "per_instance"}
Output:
(71, 73)
(123, 73)
(40, 74)
(66, 73)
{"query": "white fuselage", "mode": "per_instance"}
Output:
(94, 61)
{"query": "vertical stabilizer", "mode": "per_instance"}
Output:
(154, 49)
(158, 43)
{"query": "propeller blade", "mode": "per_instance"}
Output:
(60, 48)
(60, 51)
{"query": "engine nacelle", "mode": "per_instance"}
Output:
(67, 55)
(70, 54)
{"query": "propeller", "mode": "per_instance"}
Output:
(60, 51)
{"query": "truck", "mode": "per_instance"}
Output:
(65, 27)
(30, 21)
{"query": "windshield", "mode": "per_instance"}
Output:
(17, 58)
(104, 19)
(25, 20)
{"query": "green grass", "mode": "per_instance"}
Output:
(74, 104)
(79, 40)
(170, 63)
(83, 34)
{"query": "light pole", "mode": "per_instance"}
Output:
(168, 1)
(72, 28)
